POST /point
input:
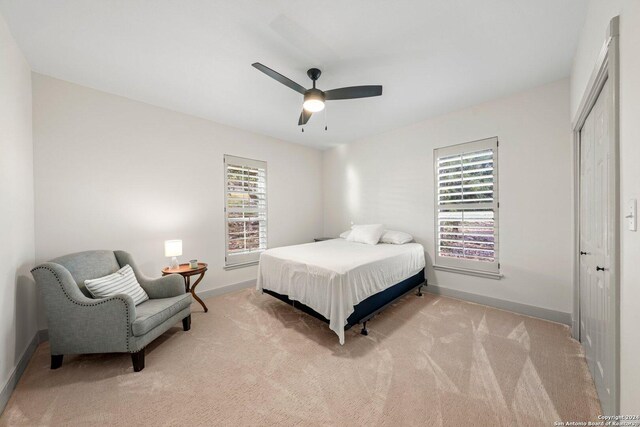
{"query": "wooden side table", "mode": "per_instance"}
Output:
(186, 272)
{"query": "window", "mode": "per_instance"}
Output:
(466, 207)
(245, 210)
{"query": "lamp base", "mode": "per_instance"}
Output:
(174, 262)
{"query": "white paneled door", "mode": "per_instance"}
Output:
(596, 317)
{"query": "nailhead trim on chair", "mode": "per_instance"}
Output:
(92, 304)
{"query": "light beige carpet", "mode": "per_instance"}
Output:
(253, 360)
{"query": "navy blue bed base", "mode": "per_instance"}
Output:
(369, 307)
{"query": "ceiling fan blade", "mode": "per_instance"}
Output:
(353, 92)
(304, 117)
(279, 77)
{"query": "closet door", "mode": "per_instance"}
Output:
(596, 318)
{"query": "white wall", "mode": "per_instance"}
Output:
(591, 41)
(112, 173)
(389, 179)
(17, 289)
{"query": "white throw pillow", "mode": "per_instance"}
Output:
(396, 237)
(345, 234)
(369, 234)
(122, 281)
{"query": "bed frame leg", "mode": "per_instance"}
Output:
(364, 330)
(420, 290)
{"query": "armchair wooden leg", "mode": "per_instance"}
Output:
(186, 323)
(56, 360)
(138, 360)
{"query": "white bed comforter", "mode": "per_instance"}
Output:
(335, 275)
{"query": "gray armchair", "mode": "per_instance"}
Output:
(80, 324)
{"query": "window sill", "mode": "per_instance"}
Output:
(244, 264)
(478, 273)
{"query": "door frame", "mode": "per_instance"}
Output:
(607, 68)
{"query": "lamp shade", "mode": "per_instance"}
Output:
(172, 247)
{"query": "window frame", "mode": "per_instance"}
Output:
(468, 266)
(243, 259)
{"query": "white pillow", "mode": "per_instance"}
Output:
(369, 234)
(345, 234)
(395, 237)
(122, 281)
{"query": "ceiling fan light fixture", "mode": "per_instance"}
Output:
(313, 101)
(313, 105)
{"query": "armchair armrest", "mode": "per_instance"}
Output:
(163, 287)
(78, 324)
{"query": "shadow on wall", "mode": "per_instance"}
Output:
(26, 307)
(150, 267)
(428, 269)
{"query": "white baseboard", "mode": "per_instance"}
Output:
(516, 307)
(15, 376)
(226, 289)
(528, 310)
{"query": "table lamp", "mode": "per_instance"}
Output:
(173, 248)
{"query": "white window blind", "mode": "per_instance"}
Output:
(245, 210)
(467, 206)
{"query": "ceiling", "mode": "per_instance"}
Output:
(431, 56)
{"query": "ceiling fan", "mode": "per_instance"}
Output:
(314, 98)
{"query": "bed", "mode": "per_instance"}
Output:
(341, 282)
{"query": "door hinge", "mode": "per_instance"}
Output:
(498, 266)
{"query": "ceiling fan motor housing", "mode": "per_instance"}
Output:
(314, 93)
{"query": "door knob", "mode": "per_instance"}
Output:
(584, 253)
(600, 268)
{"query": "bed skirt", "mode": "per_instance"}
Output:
(367, 308)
